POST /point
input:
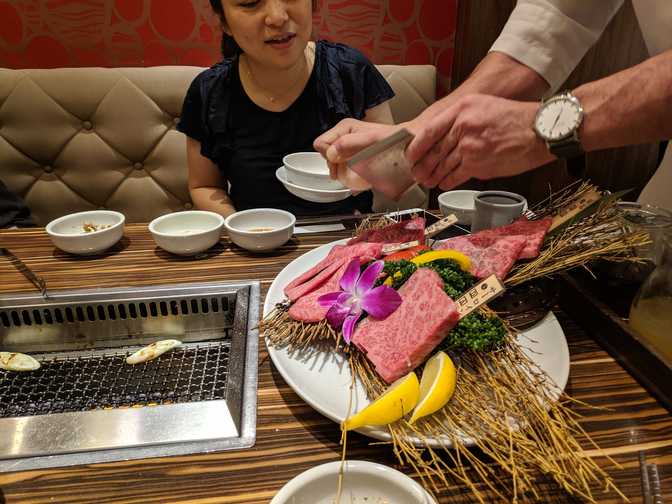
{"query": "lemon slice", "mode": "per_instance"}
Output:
(400, 398)
(434, 255)
(436, 386)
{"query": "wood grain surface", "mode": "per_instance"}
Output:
(621, 416)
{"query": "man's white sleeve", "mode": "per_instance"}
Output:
(551, 36)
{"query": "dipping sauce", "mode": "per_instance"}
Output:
(261, 229)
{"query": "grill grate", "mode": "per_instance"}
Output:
(100, 380)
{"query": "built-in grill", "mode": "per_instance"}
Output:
(86, 404)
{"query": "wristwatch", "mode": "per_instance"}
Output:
(557, 122)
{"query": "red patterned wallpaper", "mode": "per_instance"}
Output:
(60, 33)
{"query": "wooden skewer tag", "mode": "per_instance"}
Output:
(481, 293)
(570, 211)
(396, 247)
(439, 226)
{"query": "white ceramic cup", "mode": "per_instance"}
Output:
(496, 208)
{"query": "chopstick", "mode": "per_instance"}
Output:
(36, 280)
(646, 484)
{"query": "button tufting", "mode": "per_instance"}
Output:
(188, 206)
(138, 166)
(48, 168)
(176, 120)
(87, 125)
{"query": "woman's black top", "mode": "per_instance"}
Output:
(248, 143)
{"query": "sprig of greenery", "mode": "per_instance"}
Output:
(476, 331)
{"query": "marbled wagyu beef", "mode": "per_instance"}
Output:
(402, 341)
(323, 271)
(401, 232)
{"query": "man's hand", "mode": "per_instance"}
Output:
(346, 139)
(479, 136)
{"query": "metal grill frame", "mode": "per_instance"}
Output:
(106, 435)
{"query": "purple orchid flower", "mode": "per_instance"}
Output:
(357, 294)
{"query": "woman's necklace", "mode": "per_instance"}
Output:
(277, 96)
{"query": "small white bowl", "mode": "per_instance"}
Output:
(310, 170)
(460, 203)
(187, 233)
(260, 229)
(363, 482)
(308, 194)
(86, 233)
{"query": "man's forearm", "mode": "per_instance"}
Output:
(631, 107)
(497, 74)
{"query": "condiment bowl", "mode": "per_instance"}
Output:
(363, 483)
(460, 203)
(309, 194)
(260, 229)
(309, 170)
(187, 233)
(86, 233)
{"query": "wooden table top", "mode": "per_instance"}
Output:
(291, 436)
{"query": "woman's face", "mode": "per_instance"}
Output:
(270, 32)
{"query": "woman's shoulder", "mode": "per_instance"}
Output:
(342, 54)
(206, 78)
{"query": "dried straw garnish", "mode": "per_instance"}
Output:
(600, 235)
(529, 432)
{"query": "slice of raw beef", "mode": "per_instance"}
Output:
(533, 230)
(401, 232)
(297, 291)
(488, 253)
(307, 309)
(314, 277)
(399, 343)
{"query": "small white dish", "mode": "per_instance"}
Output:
(86, 233)
(187, 233)
(308, 194)
(460, 203)
(260, 229)
(363, 483)
(309, 169)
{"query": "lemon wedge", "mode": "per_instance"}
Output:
(400, 398)
(436, 386)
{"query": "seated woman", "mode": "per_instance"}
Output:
(274, 94)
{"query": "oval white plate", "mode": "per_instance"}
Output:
(363, 483)
(308, 194)
(322, 378)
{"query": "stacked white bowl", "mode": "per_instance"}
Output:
(306, 175)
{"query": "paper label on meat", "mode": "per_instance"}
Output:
(384, 165)
(396, 247)
(480, 294)
(570, 211)
(439, 226)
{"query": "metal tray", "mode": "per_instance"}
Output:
(86, 405)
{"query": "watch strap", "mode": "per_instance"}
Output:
(566, 148)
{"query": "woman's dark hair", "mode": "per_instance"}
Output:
(229, 46)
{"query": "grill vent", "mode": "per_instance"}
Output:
(95, 312)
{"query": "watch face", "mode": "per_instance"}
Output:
(558, 118)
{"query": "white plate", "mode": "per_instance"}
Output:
(363, 483)
(322, 378)
(314, 195)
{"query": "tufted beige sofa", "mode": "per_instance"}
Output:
(75, 139)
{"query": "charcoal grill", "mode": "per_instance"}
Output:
(86, 405)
